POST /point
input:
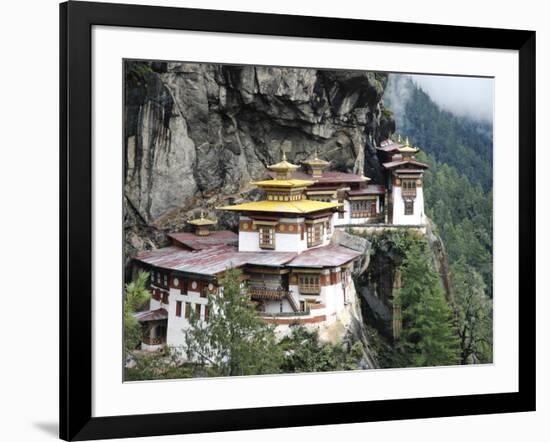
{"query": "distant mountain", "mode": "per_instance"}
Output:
(463, 143)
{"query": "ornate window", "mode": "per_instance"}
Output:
(267, 237)
(408, 187)
(409, 207)
(315, 234)
(363, 208)
(309, 284)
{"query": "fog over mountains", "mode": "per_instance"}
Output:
(470, 97)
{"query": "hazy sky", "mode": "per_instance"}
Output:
(467, 96)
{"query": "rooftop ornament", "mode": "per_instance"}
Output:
(202, 224)
(407, 149)
(283, 169)
(316, 165)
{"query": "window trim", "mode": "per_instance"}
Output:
(309, 283)
(271, 232)
(408, 207)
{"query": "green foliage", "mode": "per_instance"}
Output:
(460, 142)
(164, 364)
(234, 341)
(135, 298)
(398, 241)
(428, 336)
(305, 353)
(475, 312)
(463, 212)
(137, 73)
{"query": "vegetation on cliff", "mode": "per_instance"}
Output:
(458, 198)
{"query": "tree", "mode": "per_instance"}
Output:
(474, 314)
(234, 341)
(135, 297)
(305, 353)
(428, 336)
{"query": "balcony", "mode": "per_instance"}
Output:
(264, 293)
(153, 341)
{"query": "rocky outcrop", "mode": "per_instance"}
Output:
(197, 134)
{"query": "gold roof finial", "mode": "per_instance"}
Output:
(283, 168)
(407, 141)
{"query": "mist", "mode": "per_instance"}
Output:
(464, 96)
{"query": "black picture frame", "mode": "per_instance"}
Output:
(76, 21)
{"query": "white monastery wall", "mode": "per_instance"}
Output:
(399, 218)
(176, 325)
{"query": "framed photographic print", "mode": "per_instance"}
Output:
(274, 220)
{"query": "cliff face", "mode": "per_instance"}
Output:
(377, 283)
(196, 133)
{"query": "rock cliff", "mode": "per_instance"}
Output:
(198, 133)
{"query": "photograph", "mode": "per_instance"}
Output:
(286, 220)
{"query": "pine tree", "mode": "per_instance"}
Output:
(474, 314)
(234, 341)
(135, 297)
(428, 337)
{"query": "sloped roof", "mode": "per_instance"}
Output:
(151, 315)
(215, 238)
(393, 164)
(211, 261)
(371, 189)
(327, 256)
(296, 207)
(389, 146)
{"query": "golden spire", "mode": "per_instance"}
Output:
(283, 168)
(201, 224)
(316, 165)
(407, 149)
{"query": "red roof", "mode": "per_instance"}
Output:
(210, 261)
(151, 315)
(326, 256)
(393, 164)
(371, 189)
(217, 259)
(389, 146)
(196, 242)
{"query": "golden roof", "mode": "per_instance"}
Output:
(407, 148)
(202, 221)
(290, 183)
(298, 207)
(283, 166)
(316, 161)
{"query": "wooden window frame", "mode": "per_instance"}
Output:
(270, 232)
(309, 283)
(315, 234)
(178, 309)
(408, 186)
(409, 207)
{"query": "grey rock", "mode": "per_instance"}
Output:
(203, 132)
